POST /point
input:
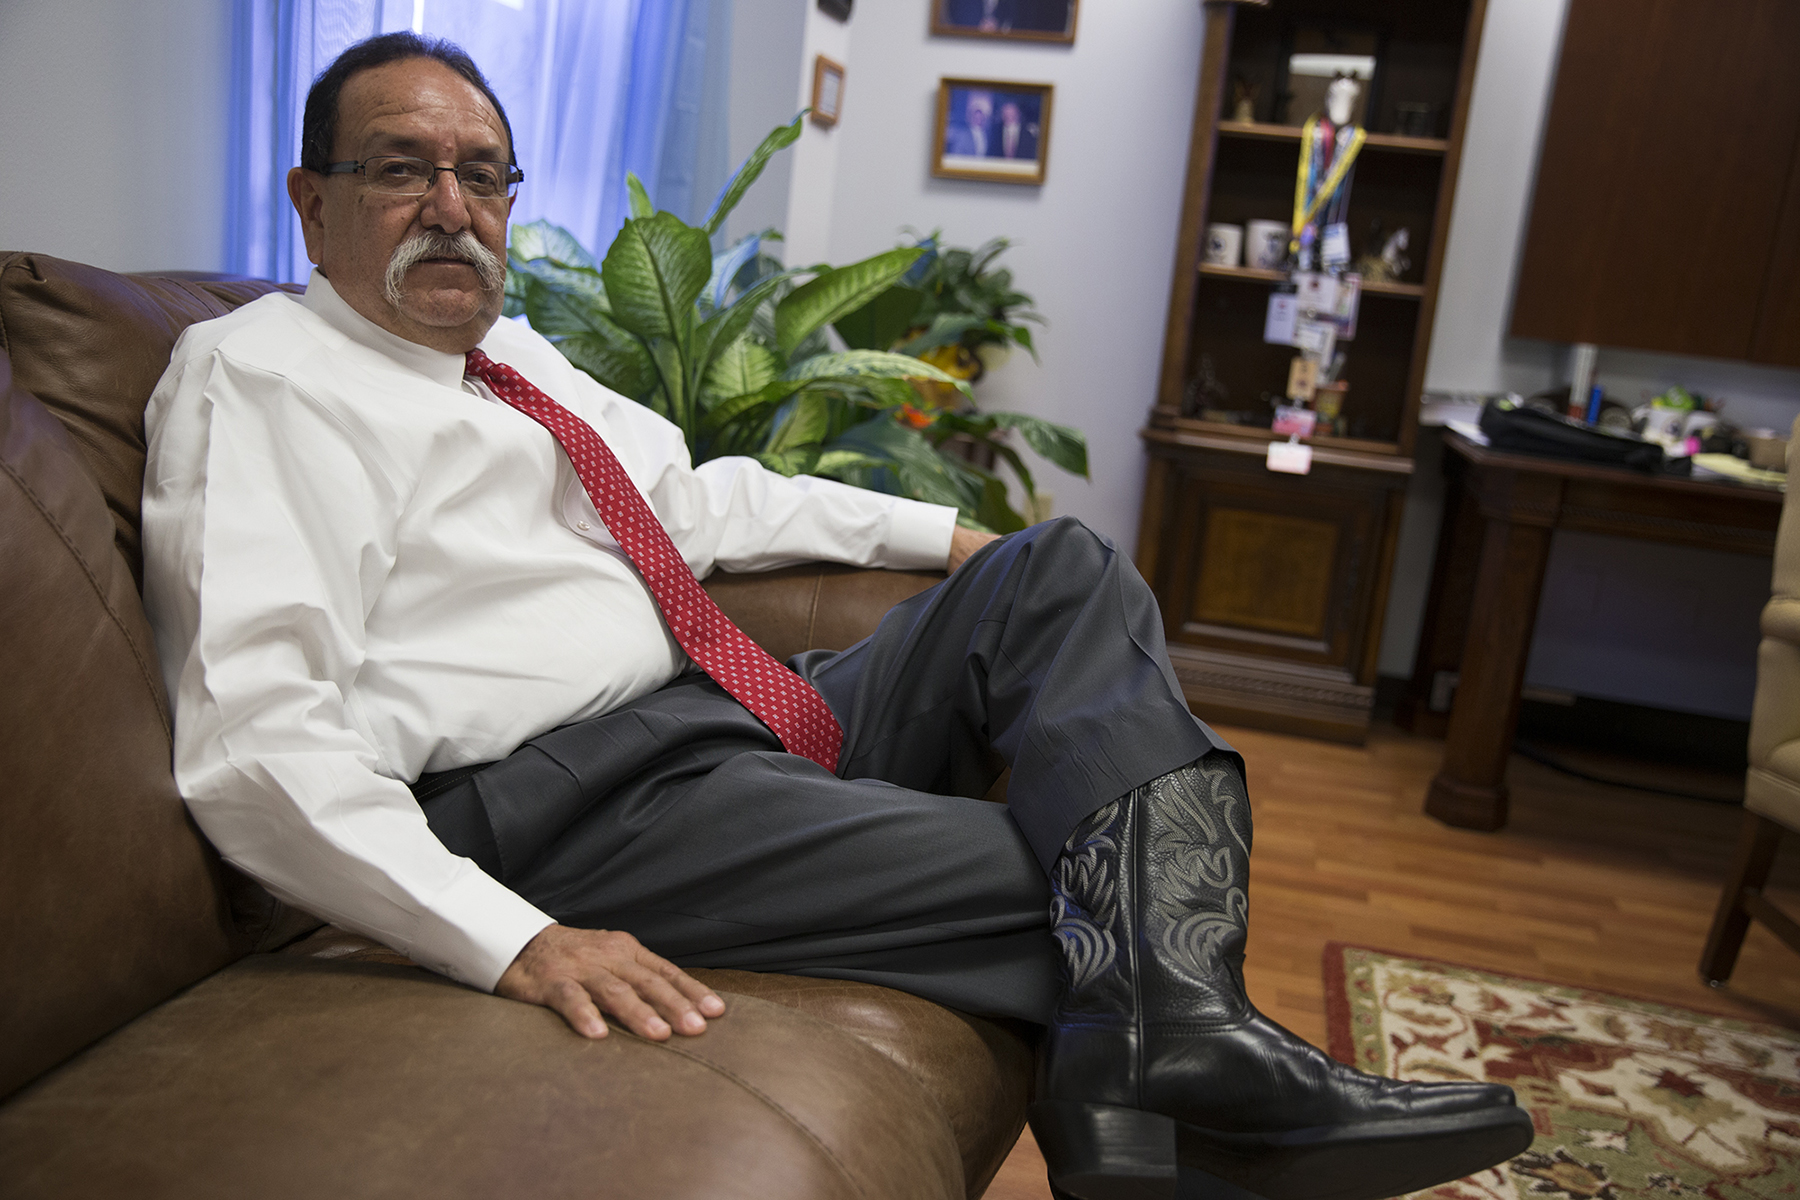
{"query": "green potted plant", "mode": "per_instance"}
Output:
(732, 348)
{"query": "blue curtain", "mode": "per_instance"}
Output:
(593, 88)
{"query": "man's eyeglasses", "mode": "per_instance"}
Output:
(399, 176)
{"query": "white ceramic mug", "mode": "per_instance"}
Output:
(1224, 245)
(1266, 244)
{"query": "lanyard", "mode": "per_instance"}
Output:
(1304, 210)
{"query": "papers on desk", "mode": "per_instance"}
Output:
(1727, 466)
(1468, 429)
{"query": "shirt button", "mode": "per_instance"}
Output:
(582, 525)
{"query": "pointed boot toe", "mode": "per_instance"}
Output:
(1159, 1078)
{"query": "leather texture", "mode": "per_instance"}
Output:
(91, 345)
(1772, 787)
(289, 1077)
(816, 606)
(976, 1072)
(339, 1068)
(1151, 913)
(110, 901)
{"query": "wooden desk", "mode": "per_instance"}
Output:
(1499, 511)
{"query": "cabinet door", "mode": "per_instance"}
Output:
(1778, 323)
(1665, 161)
(1273, 566)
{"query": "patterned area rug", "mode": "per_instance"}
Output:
(1631, 1099)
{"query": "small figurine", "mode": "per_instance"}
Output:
(1340, 99)
(1391, 263)
(1243, 101)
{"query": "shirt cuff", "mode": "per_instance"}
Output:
(474, 930)
(919, 536)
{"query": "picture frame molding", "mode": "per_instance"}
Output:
(822, 67)
(947, 84)
(943, 28)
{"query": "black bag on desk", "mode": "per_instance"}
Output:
(1525, 430)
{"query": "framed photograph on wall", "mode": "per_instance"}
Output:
(1021, 20)
(828, 91)
(992, 129)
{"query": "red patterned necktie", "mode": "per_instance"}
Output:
(784, 702)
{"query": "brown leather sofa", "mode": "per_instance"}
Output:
(166, 1029)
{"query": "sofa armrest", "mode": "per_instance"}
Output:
(815, 606)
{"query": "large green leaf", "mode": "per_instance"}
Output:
(725, 267)
(920, 471)
(945, 328)
(993, 510)
(723, 328)
(781, 137)
(834, 463)
(671, 372)
(1060, 444)
(875, 364)
(653, 272)
(542, 239)
(562, 300)
(744, 407)
(807, 423)
(638, 197)
(612, 356)
(981, 427)
(878, 324)
(518, 287)
(836, 294)
(742, 367)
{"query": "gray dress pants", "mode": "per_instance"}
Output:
(680, 819)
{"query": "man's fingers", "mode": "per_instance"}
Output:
(677, 1008)
(704, 998)
(572, 1001)
(583, 974)
(619, 999)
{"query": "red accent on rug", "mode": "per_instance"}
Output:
(1629, 1097)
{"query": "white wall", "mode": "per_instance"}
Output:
(113, 130)
(1095, 244)
(813, 165)
(767, 38)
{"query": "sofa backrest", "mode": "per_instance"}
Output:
(110, 900)
(91, 344)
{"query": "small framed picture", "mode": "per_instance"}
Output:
(828, 91)
(1018, 20)
(992, 129)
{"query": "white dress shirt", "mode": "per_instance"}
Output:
(361, 566)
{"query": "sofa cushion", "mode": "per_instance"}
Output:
(284, 1076)
(976, 1071)
(91, 345)
(109, 898)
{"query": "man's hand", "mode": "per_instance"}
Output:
(582, 973)
(964, 542)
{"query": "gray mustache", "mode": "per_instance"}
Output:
(464, 246)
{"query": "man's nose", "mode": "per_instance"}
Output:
(444, 207)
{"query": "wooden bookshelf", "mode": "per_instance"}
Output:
(1413, 291)
(1372, 141)
(1273, 587)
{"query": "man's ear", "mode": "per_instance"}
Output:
(307, 190)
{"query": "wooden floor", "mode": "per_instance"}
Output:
(1588, 884)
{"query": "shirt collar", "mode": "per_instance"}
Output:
(435, 365)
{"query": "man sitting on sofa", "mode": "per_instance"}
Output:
(442, 674)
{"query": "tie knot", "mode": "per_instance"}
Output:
(479, 363)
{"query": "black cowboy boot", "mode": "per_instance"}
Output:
(1157, 1067)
